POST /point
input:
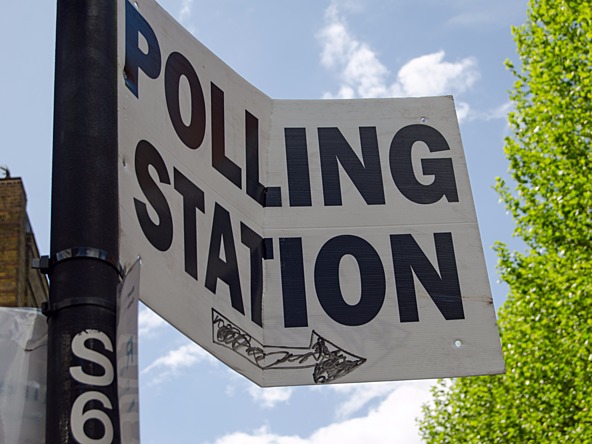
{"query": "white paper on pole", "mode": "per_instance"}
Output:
(23, 367)
(364, 264)
(127, 356)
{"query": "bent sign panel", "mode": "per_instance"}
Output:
(300, 242)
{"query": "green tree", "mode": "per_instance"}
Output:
(546, 322)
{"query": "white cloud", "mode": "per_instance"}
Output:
(185, 11)
(265, 397)
(501, 112)
(392, 421)
(359, 395)
(497, 113)
(170, 364)
(480, 14)
(259, 436)
(270, 397)
(472, 18)
(185, 14)
(463, 111)
(362, 73)
(148, 322)
(430, 75)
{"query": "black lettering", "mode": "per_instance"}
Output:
(266, 197)
(444, 289)
(177, 66)
(135, 58)
(220, 162)
(293, 286)
(160, 235)
(297, 167)
(260, 249)
(193, 198)
(226, 271)
(367, 176)
(372, 278)
(444, 183)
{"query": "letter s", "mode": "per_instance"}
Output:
(81, 351)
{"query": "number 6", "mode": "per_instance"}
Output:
(78, 418)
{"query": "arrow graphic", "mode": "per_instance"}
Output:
(327, 360)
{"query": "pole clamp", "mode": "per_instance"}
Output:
(49, 308)
(45, 263)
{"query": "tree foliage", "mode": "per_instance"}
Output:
(546, 322)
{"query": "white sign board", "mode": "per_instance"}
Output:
(128, 295)
(300, 242)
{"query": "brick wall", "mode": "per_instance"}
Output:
(19, 284)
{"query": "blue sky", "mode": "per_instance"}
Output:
(297, 50)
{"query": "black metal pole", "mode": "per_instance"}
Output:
(81, 376)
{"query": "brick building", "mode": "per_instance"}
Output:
(20, 285)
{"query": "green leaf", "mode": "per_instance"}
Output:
(546, 323)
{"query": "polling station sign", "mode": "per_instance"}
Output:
(300, 242)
